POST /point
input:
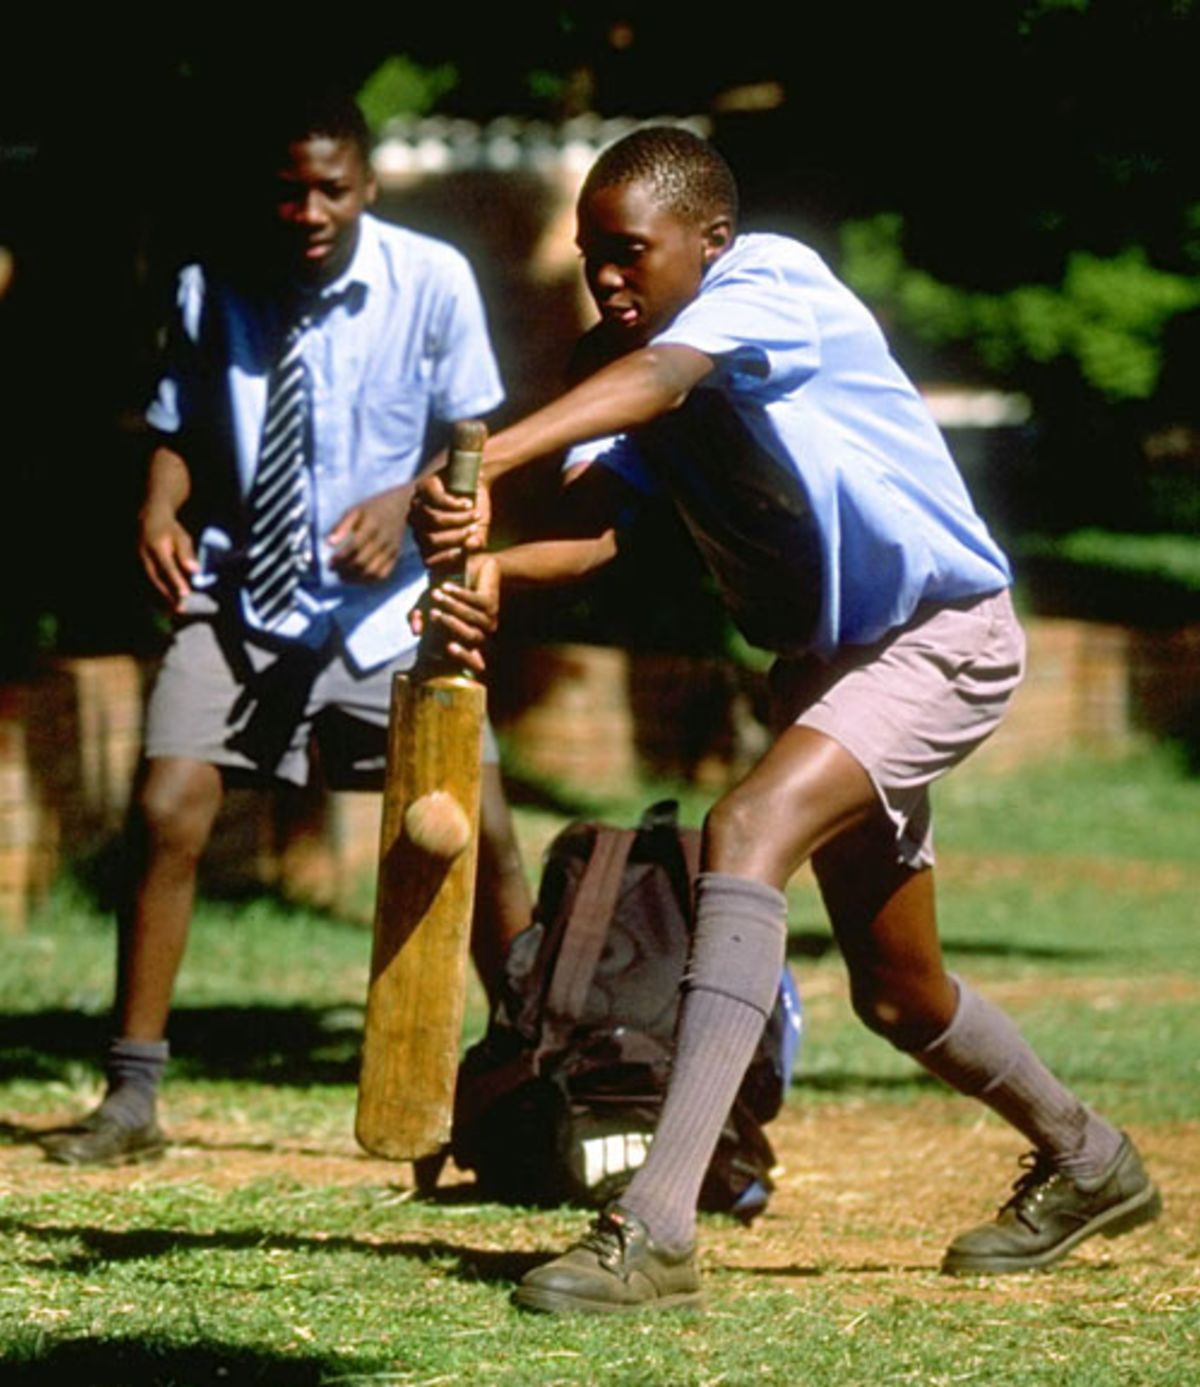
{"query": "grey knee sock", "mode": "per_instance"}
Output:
(729, 989)
(982, 1054)
(134, 1069)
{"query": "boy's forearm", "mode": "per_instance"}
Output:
(168, 481)
(546, 562)
(623, 395)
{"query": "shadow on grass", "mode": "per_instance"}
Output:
(1004, 948)
(847, 1083)
(305, 1046)
(813, 943)
(106, 1245)
(144, 1363)
(269, 1045)
(817, 943)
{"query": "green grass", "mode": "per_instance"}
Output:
(1069, 891)
(276, 1283)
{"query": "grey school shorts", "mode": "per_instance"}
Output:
(912, 706)
(248, 708)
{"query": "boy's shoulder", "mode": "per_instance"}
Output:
(403, 239)
(776, 279)
(401, 257)
(769, 257)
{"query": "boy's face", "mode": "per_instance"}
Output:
(643, 263)
(321, 189)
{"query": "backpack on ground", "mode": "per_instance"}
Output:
(559, 1100)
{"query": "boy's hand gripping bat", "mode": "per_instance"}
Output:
(425, 896)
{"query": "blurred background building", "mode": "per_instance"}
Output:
(1011, 186)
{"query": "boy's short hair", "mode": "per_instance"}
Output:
(280, 117)
(687, 175)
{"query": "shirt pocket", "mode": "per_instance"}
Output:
(391, 422)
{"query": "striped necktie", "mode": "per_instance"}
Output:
(280, 547)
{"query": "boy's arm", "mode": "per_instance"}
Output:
(623, 395)
(542, 563)
(589, 506)
(164, 546)
(584, 521)
(631, 391)
(468, 612)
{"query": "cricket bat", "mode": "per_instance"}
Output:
(426, 888)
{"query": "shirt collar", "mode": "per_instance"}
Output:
(364, 272)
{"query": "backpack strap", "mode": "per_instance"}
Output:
(689, 844)
(663, 817)
(583, 938)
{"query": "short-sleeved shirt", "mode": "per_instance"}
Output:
(398, 345)
(846, 484)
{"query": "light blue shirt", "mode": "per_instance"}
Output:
(399, 342)
(851, 462)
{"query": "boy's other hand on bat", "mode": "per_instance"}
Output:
(448, 528)
(468, 614)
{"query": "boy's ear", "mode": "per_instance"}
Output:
(718, 237)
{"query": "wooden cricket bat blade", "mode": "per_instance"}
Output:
(423, 913)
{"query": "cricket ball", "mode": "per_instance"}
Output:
(437, 824)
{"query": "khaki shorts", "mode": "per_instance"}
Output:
(912, 706)
(242, 706)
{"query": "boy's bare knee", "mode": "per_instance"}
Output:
(733, 834)
(178, 802)
(902, 1015)
(725, 824)
(806, 791)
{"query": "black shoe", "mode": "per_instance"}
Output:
(102, 1140)
(614, 1268)
(1049, 1214)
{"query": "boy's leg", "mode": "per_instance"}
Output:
(1087, 1177)
(196, 703)
(729, 988)
(177, 805)
(503, 906)
(806, 789)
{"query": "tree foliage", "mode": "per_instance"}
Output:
(1106, 314)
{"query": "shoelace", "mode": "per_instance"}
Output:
(606, 1238)
(1030, 1187)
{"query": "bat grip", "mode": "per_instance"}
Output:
(461, 473)
(460, 477)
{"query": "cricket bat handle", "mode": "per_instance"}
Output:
(460, 477)
(461, 473)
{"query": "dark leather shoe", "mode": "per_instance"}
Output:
(614, 1268)
(1049, 1214)
(101, 1140)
